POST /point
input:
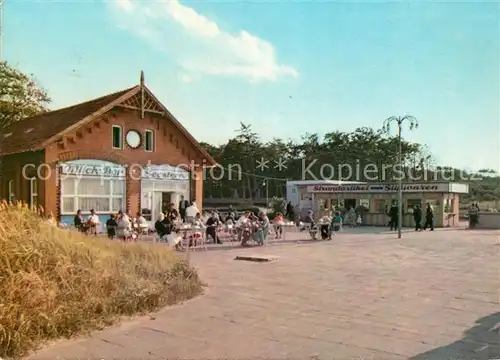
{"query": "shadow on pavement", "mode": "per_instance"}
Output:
(480, 342)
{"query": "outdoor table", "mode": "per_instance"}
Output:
(285, 227)
(188, 231)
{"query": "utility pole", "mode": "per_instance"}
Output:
(399, 120)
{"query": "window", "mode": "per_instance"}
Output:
(33, 192)
(149, 140)
(412, 203)
(117, 137)
(105, 196)
(12, 195)
(380, 206)
(365, 203)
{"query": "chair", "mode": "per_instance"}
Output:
(197, 238)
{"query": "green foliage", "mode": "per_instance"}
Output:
(357, 149)
(277, 205)
(20, 96)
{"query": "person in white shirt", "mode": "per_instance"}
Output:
(240, 227)
(142, 223)
(93, 222)
(124, 226)
(191, 212)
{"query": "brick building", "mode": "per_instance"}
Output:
(123, 151)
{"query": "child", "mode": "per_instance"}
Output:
(278, 225)
(359, 221)
(336, 224)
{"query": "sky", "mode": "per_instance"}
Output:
(285, 67)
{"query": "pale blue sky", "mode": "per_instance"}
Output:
(297, 67)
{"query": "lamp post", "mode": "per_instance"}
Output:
(399, 120)
(267, 192)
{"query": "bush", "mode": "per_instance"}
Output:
(57, 283)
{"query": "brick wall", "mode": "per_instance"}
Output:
(94, 141)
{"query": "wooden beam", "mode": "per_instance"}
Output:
(79, 134)
(145, 110)
(129, 107)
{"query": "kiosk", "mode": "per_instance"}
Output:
(376, 199)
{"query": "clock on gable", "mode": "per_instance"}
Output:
(133, 139)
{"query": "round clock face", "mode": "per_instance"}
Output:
(133, 139)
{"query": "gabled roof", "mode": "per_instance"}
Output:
(37, 132)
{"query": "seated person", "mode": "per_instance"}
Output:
(78, 221)
(123, 226)
(142, 223)
(165, 230)
(172, 213)
(243, 228)
(309, 224)
(212, 224)
(324, 224)
(198, 223)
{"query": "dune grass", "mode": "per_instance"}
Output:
(57, 283)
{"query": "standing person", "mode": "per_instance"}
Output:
(93, 222)
(289, 210)
(393, 217)
(429, 217)
(473, 215)
(111, 226)
(417, 216)
(183, 205)
(335, 225)
(350, 218)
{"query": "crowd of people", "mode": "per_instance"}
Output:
(247, 227)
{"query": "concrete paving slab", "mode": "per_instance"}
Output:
(430, 295)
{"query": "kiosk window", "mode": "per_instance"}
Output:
(411, 203)
(364, 203)
(380, 206)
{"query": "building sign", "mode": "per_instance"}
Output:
(378, 188)
(96, 168)
(164, 172)
(99, 170)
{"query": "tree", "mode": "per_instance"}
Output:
(20, 96)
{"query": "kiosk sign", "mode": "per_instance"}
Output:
(378, 188)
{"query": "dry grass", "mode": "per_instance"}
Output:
(56, 283)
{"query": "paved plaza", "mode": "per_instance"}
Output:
(365, 295)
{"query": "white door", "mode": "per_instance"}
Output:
(157, 203)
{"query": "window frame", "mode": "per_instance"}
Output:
(33, 194)
(152, 140)
(76, 197)
(11, 191)
(113, 137)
